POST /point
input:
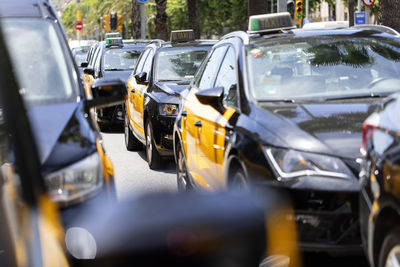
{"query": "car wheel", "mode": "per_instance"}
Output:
(153, 157)
(238, 181)
(181, 171)
(131, 142)
(390, 251)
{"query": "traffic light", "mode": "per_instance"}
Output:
(106, 21)
(113, 21)
(298, 14)
(119, 23)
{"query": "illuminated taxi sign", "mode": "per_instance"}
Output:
(182, 36)
(112, 35)
(270, 22)
(114, 41)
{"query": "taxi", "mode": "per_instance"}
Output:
(73, 162)
(284, 107)
(162, 72)
(111, 59)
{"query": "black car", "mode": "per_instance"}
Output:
(73, 161)
(111, 59)
(163, 71)
(380, 176)
(284, 107)
(80, 55)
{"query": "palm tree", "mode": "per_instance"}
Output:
(161, 19)
(389, 13)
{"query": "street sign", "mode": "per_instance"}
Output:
(79, 25)
(142, 1)
(368, 2)
(360, 18)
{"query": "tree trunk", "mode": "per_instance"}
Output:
(390, 13)
(193, 17)
(257, 7)
(161, 19)
(135, 19)
(351, 12)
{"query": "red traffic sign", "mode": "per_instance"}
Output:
(79, 25)
(368, 2)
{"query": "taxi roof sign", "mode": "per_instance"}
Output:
(112, 35)
(114, 42)
(182, 36)
(270, 22)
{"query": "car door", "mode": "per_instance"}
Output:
(137, 94)
(89, 79)
(228, 79)
(198, 124)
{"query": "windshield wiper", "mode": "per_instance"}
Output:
(278, 100)
(112, 69)
(169, 80)
(372, 95)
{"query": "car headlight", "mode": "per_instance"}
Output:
(168, 109)
(77, 181)
(290, 163)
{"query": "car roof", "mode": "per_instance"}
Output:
(321, 33)
(27, 8)
(196, 43)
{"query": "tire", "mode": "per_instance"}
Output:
(390, 250)
(131, 142)
(238, 181)
(182, 177)
(153, 157)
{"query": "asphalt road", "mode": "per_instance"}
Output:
(132, 173)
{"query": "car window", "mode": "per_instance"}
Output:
(227, 78)
(211, 68)
(80, 56)
(120, 59)
(42, 69)
(324, 68)
(176, 64)
(142, 59)
(148, 63)
(97, 62)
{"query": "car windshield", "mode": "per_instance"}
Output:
(178, 64)
(80, 56)
(120, 59)
(324, 68)
(39, 61)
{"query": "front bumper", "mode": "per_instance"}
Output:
(111, 115)
(163, 127)
(327, 221)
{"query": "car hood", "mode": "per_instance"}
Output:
(332, 127)
(121, 74)
(168, 92)
(62, 133)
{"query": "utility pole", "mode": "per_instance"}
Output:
(142, 21)
(307, 8)
(272, 6)
(126, 23)
(359, 6)
(337, 10)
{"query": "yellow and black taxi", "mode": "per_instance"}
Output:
(73, 162)
(380, 177)
(162, 72)
(111, 59)
(284, 107)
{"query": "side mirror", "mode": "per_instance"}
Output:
(212, 97)
(107, 92)
(141, 78)
(84, 64)
(89, 71)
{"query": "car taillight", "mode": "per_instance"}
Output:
(368, 131)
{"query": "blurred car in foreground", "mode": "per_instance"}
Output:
(223, 230)
(111, 59)
(74, 165)
(380, 176)
(284, 107)
(163, 71)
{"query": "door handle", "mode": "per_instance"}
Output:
(198, 124)
(133, 91)
(184, 113)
